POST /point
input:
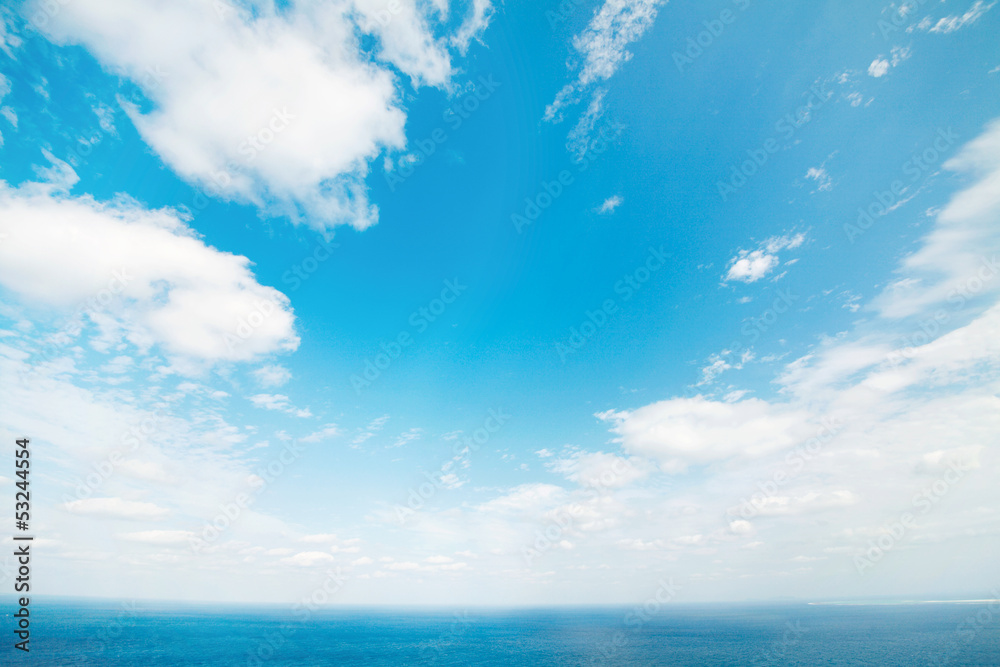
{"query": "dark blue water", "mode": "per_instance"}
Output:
(71, 633)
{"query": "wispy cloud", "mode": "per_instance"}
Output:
(610, 204)
(278, 402)
(602, 47)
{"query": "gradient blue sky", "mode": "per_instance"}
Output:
(770, 313)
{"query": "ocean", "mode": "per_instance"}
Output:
(67, 633)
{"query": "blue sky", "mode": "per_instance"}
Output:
(592, 276)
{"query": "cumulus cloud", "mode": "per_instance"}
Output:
(751, 265)
(224, 113)
(878, 68)
(684, 431)
(140, 275)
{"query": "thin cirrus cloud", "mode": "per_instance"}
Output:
(955, 22)
(272, 375)
(225, 114)
(279, 402)
(603, 48)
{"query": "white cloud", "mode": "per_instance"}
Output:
(685, 431)
(308, 559)
(117, 508)
(881, 65)
(751, 265)
(878, 68)
(474, 24)
(578, 140)
(8, 41)
(603, 48)
(822, 178)
(279, 402)
(610, 204)
(407, 436)
(950, 265)
(954, 22)
(138, 274)
(526, 498)
(159, 537)
(719, 364)
(227, 116)
(438, 560)
(370, 431)
(272, 376)
(599, 469)
(325, 433)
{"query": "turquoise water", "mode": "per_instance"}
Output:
(72, 633)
